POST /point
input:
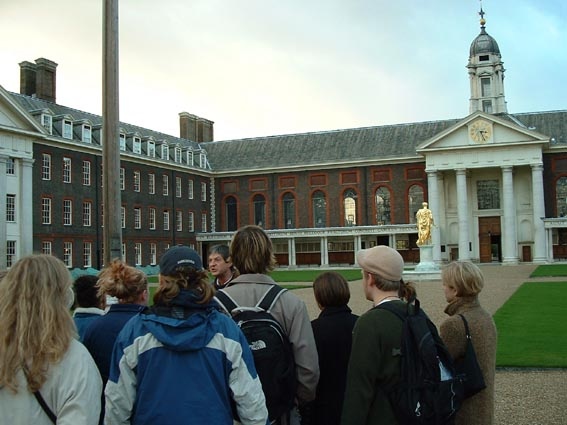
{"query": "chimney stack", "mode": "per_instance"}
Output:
(38, 79)
(194, 128)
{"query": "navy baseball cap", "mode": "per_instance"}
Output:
(179, 256)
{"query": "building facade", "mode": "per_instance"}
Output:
(496, 182)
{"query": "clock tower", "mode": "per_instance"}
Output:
(486, 73)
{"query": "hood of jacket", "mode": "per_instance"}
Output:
(184, 324)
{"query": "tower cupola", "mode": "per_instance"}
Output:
(486, 73)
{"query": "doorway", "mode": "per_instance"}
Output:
(490, 239)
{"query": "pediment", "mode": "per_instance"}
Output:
(12, 115)
(500, 132)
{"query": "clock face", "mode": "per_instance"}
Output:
(480, 131)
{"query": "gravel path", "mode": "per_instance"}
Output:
(523, 397)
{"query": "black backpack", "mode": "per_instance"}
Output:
(271, 348)
(429, 391)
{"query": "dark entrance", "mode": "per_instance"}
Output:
(490, 239)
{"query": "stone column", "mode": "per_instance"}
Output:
(324, 251)
(291, 252)
(509, 234)
(433, 200)
(463, 214)
(3, 229)
(539, 214)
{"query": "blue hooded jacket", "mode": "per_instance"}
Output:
(183, 363)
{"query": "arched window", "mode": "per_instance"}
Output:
(259, 210)
(349, 205)
(561, 196)
(231, 213)
(289, 211)
(383, 215)
(319, 204)
(415, 199)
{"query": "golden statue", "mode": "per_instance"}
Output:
(424, 219)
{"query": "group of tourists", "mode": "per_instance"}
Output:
(184, 359)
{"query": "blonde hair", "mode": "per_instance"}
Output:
(184, 278)
(463, 276)
(251, 251)
(36, 327)
(122, 281)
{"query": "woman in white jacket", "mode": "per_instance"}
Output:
(40, 359)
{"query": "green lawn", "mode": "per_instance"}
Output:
(548, 270)
(532, 327)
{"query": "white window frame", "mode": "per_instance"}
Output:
(87, 213)
(47, 122)
(46, 166)
(122, 178)
(46, 247)
(137, 218)
(87, 136)
(68, 254)
(179, 220)
(202, 160)
(86, 173)
(10, 253)
(10, 208)
(137, 181)
(166, 220)
(67, 212)
(138, 254)
(204, 222)
(123, 217)
(151, 148)
(67, 172)
(153, 254)
(165, 185)
(152, 218)
(87, 254)
(137, 145)
(203, 191)
(46, 210)
(165, 151)
(190, 158)
(178, 187)
(67, 129)
(122, 142)
(178, 154)
(11, 166)
(191, 221)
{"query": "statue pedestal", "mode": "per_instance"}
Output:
(426, 269)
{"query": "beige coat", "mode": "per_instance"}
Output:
(478, 409)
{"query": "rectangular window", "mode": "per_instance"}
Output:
(87, 254)
(87, 133)
(67, 212)
(45, 210)
(122, 141)
(165, 185)
(203, 192)
(136, 181)
(179, 220)
(165, 151)
(124, 251)
(152, 183)
(178, 157)
(191, 226)
(67, 129)
(122, 178)
(137, 218)
(46, 167)
(204, 222)
(485, 87)
(487, 106)
(47, 123)
(10, 253)
(138, 253)
(46, 247)
(86, 173)
(152, 219)
(153, 254)
(178, 187)
(202, 160)
(190, 160)
(11, 208)
(190, 189)
(123, 217)
(66, 170)
(488, 194)
(137, 145)
(87, 213)
(151, 149)
(68, 254)
(166, 220)
(11, 166)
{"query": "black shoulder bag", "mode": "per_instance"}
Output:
(45, 407)
(469, 367)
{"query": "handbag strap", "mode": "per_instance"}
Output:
(45, 407)
(466, 327)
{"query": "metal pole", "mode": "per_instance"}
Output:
(112, 231)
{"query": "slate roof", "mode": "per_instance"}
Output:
(32, 104)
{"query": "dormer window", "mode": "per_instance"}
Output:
(203, 160)
(67, 129)
(122, 142)
(190, 158)
(47, 122)
(165, 151)
(87, 133)
(178, 157)
(137, 145)
(151, 149)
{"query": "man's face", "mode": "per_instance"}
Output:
(217, 265)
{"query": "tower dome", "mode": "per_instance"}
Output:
(484, 43)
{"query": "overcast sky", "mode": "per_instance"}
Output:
(266, 67)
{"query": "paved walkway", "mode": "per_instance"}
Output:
(523, 397)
